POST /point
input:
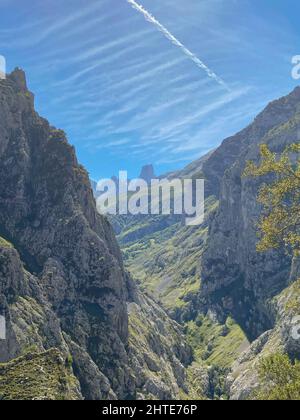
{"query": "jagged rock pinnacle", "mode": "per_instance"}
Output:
(19, 77)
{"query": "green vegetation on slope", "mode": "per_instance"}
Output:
(164, 258)
(293, 304)
(4, 243)
(216, 344)
(43, 376)
(215, 347)
(165, 261)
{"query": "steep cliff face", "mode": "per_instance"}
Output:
(236, 279)
(62, 282)
(47, 211)
(230, 151)
(211, 278)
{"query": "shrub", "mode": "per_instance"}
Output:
(280, 379)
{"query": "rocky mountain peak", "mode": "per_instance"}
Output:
(147, 173)
(18, 76)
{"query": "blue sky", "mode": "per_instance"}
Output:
(126, 96)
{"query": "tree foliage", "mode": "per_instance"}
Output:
(280, 221)
(282, 378)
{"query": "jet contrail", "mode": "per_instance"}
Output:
(177, 43)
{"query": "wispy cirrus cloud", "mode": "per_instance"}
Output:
(122, 91)
(110, 46)
(99, 62)
(176, 125)
(61, 24)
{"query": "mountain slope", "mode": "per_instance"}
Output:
(47, 211)
(70, 305)
(236, 279)
(62, 281)
(211, 278)
(165, 259)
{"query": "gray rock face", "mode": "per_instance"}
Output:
(231, 150)
(10, 286)
(72, 292)
(48, 212)
(244, 378)
(158, 350)
(236, 280)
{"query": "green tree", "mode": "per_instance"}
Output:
(280, 197)
(279, 226)
(282, 378)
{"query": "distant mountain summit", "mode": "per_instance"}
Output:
(147, 173)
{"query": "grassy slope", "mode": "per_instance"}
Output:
(166, 263)
(43, 376)
(218, 345)
(4, 243)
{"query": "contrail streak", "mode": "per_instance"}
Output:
(177, 43)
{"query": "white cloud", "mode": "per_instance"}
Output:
(199, 63)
